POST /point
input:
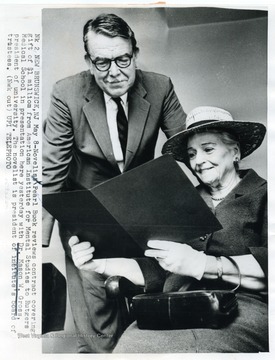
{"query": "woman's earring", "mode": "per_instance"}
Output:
(236, 163)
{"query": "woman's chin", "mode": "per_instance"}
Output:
(208, 180)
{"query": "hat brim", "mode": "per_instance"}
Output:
(249, 134)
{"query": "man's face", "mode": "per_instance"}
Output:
(115, 81)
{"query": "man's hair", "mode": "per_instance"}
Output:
(109, 25)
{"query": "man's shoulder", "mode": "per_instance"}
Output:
(74, 86)
(154, 84)
(76, 79)
(150, 76)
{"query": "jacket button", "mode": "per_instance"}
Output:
(203, 238)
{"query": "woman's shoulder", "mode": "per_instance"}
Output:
(250, 178)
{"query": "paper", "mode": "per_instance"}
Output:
(153, 201)
(222, 63)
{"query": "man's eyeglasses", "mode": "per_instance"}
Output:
(104, 64)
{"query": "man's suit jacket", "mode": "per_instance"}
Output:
(77, 149)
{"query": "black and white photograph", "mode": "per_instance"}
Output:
(131, 87)
(137, 198)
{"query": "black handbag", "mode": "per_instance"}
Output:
(187, 309)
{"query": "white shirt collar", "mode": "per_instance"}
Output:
(123, 98)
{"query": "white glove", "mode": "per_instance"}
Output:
(178, 258)
(82, 255)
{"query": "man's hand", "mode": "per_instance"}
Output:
(82, 255)
(178, 258)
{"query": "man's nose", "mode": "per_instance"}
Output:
(114, 69)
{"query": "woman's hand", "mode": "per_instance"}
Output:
(82, 255)
(178, 258)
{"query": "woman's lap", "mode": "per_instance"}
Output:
(247, 333)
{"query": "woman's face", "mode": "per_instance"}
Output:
(211, 159)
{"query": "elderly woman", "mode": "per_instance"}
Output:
(211, 147)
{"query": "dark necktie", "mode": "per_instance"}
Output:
(122, 125)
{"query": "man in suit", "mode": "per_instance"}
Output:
(102, 122)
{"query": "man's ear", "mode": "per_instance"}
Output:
(89, 63)
(135, 59)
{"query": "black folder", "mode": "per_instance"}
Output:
(153, 201)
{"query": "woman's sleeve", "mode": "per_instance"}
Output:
(261, 253)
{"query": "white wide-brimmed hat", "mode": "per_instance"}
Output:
(204, 118)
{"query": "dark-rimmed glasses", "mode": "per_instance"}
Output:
(104, 64)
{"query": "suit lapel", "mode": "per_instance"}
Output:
(96, 115)
(137, 117)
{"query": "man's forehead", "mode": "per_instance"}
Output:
(104, 46)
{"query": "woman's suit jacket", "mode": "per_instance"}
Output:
(243, 216)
